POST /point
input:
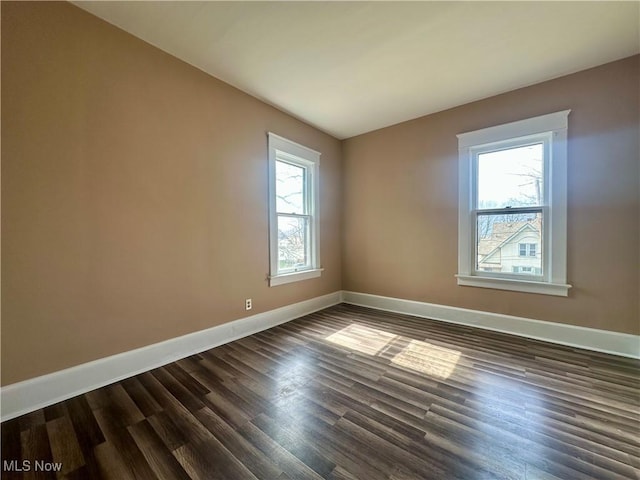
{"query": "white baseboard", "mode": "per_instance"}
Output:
(622, 344)
(24, 397)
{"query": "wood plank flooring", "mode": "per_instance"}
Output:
(349, 393)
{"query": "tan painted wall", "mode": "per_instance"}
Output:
(134, 197)
(400, 202)
(134, 194)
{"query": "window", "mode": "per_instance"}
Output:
(512, 206)
(293, 211)
(527, 249)
(528, 270)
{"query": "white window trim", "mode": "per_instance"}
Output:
(555, 234)
(310, 159)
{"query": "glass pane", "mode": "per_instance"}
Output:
(290, 181)
(293, 242)
(511, 177)
(509, 243)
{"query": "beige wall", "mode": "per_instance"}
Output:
(134, 197)
(134, 194)
(400, 202)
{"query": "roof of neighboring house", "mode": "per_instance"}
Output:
(503, 233)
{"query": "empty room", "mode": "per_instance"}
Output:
(307, 240)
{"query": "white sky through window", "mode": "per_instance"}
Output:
(511, 177)
(290, 188)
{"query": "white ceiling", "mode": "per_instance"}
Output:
(351, 67)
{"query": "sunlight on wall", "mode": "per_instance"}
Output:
(427, 358)
(416, 355)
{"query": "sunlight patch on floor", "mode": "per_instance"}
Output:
(423, 357)
(426, 358)
(362, 339)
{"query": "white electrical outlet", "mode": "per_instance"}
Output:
(247, 304)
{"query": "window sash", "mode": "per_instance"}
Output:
(512, 144)
(308, 216)
(307, 243)
(474, 211)
(544, 261)
(306, 188)
(476, 151)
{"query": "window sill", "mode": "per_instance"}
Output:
(294, 277)
(543, 288)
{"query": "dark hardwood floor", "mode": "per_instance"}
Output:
(350, 393)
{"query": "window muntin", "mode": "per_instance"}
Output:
(514, 174)
(293, 205)
(293, 243)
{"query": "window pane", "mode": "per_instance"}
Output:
(290, 181)
(509, 243)
(511, 177)
(293, 242)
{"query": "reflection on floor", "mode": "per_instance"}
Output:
(350, 393)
